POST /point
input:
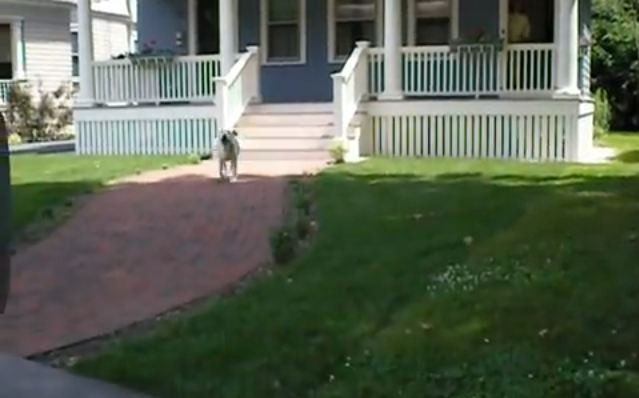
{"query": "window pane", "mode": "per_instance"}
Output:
(283, 43)
(74, 42)
(283, 10)
(75, 66)
(433, 9)
(432, 31)
(349, 10)
(348, 33)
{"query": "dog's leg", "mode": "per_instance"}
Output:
(234, 169)
(222, 169)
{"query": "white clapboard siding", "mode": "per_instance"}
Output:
(47, 42)
(523, 130)
(170, 130)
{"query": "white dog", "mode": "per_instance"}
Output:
(228, 151)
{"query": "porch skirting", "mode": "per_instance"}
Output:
(146, 130)
(532, 130)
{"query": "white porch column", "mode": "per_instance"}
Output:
(17, 49)
(85, 48)
(392, 50)
(192, 26)
(567, 44)
(228, 26)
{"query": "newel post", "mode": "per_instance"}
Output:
(222, 103)
(256, 73)
(85, 47)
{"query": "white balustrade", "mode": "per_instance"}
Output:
(350, 87)
(156, 79)
(238, 88)
(469, 70)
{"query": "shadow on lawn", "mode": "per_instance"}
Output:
(384, 240)
(629, 157)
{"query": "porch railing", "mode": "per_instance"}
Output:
(156, 79)
(350, 87)
(238, 88)
(469, 70)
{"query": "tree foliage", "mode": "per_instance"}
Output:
(615, 61)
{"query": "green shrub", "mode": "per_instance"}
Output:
(338, 153)
(283, 245)
(15, 139)
(302, 226)
(603, 113)
(195, 159)
(615, 58)
(44, 117)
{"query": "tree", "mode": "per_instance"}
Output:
(615, 61)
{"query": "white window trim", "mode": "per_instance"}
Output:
(332, 30)
(412, 21)
(264, 34)
(74, 29)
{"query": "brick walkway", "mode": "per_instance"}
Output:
(145, 246)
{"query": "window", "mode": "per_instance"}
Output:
(433, 22)
(75, 56)
(531, 22)
(283, 31)
(352, 21)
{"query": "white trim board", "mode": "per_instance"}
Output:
(264, 34)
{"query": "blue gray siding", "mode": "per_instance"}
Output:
(310, 82)
(160, 21)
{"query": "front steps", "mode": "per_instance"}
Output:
(286, 132)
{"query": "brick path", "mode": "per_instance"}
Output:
(140, 248)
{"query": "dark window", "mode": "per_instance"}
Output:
(354, 21)
(433, 22)
(284, 31)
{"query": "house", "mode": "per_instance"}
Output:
(428, 78)
(37, 40)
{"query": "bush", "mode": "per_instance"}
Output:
(283, 246)
(338, 152)
(41, 118)
(615, 58)
(14, 139)
(302, 226)
(603, 114)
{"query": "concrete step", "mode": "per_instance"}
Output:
(293, 108)
(286, 143)
(283, 155)
(308, 131)
(281, 119)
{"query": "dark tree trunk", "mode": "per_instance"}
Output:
(5, 212)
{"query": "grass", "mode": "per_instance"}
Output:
(428, 278)
(41, 184)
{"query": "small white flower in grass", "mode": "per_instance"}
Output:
(289, 280)
(543, 332)
(591, 373)
(591, 354)
(276, 384)
(331, 378)
(426, 326)
(487, 340)
(622, 363)
(613, 331)
(468, 240)
(408, 331)
(418, 216)
(531, 376)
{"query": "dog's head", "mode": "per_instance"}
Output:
(228, 136)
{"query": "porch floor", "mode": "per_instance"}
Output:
(149, 244)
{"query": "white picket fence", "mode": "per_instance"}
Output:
(469, 70)
(523, 130)
(156, 79)
(143, 130)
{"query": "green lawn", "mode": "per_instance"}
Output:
(428, 279)
(43, 182)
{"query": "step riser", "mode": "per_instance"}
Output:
(270, 120)
(273, 144)
(284, 155)
(285, 132)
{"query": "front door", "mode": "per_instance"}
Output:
(208, 34)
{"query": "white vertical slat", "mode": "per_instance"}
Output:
(484, 136)
(529, 137)
(474, 120)
(552, 137)
(499, 145)
(491, 136)
(508, 133)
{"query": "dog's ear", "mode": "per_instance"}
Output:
(235, 133)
